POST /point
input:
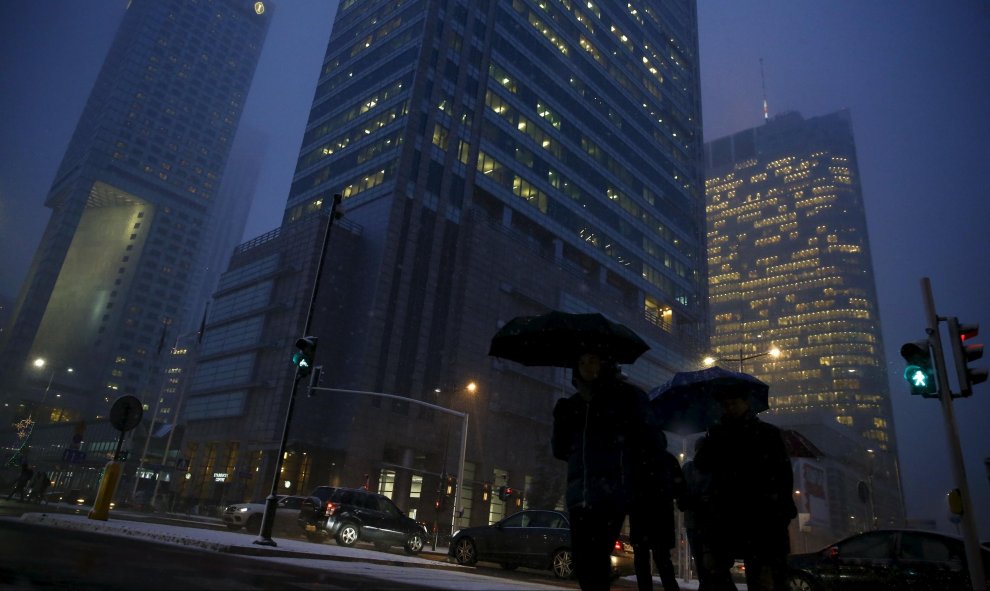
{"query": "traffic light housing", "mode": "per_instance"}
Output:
(959, 335)
(450, 485)
(303, 357)
(504, 492)
(919, 373)
(315, 379)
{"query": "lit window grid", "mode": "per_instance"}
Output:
(745, 206)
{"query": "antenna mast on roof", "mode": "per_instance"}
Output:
(763, 81)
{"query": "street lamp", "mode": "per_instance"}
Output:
(40, 363)
(772, 352)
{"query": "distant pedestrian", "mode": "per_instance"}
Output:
(602, 431)
(651, 521)
(751, 494)
(21, 482)
(39, 484)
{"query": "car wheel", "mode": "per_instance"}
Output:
(465, 552)
(233, 526)
(414, 544)
(800, 582)
(347, 535)
(563, 563)
(509, 566)
(254, 524)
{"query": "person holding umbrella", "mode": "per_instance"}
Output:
(606, 433)
(750, 494)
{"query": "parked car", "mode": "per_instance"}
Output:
(891, 559)
(350, 515)
(532, 538)
(249, 515)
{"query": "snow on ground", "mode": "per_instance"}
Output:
(430, 569)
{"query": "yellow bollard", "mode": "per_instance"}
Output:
(101, 507)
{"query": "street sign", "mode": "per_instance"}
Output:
(73, 456)
(126, 412)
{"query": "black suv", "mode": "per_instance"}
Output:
(352, 514)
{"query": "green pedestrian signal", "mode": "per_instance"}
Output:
(303, 357)
(919, 373)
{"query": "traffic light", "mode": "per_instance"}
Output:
(963, 353)
(919, 373)
(450, 486)
(504, 492)
(441, 503)
(303, 357)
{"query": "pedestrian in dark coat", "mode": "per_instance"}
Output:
(752, 484)
(695, 505)
(39, 484)
(602, 432)
(21, 482)
(651, 522)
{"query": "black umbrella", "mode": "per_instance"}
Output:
(557, 339)
(688, 404)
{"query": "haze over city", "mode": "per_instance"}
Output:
(913, 76)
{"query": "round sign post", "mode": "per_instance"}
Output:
(125, 414)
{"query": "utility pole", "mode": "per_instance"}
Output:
(970, 536)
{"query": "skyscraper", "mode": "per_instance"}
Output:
(495, 159)
(790, 267)
(134, 202)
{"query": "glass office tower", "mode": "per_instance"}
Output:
(495, 159)
(135, 204)
(790, 267)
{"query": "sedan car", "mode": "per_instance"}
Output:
(892, 559)
(532, 538)
(249, 515)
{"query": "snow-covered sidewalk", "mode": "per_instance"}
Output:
(430, 568)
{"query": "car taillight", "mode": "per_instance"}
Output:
(618, 546)
(331, 509)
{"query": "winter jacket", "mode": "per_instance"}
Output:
(751, 479)
(658, 484)
(603, 442)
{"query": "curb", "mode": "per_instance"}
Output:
(123, 529)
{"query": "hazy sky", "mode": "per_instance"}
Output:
(914, 75)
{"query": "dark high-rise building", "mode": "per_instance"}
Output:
(135, 209)
(495, 159)
(790, 267)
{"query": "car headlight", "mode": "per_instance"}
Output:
(242, 510)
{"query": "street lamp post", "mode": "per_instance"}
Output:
(40, 364)
(772, 352)
(464, 429)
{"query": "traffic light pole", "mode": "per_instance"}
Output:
(271, 503)
(970, 535)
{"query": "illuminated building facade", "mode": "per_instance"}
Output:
(499, 158)
(136, 207)
(790, 266)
